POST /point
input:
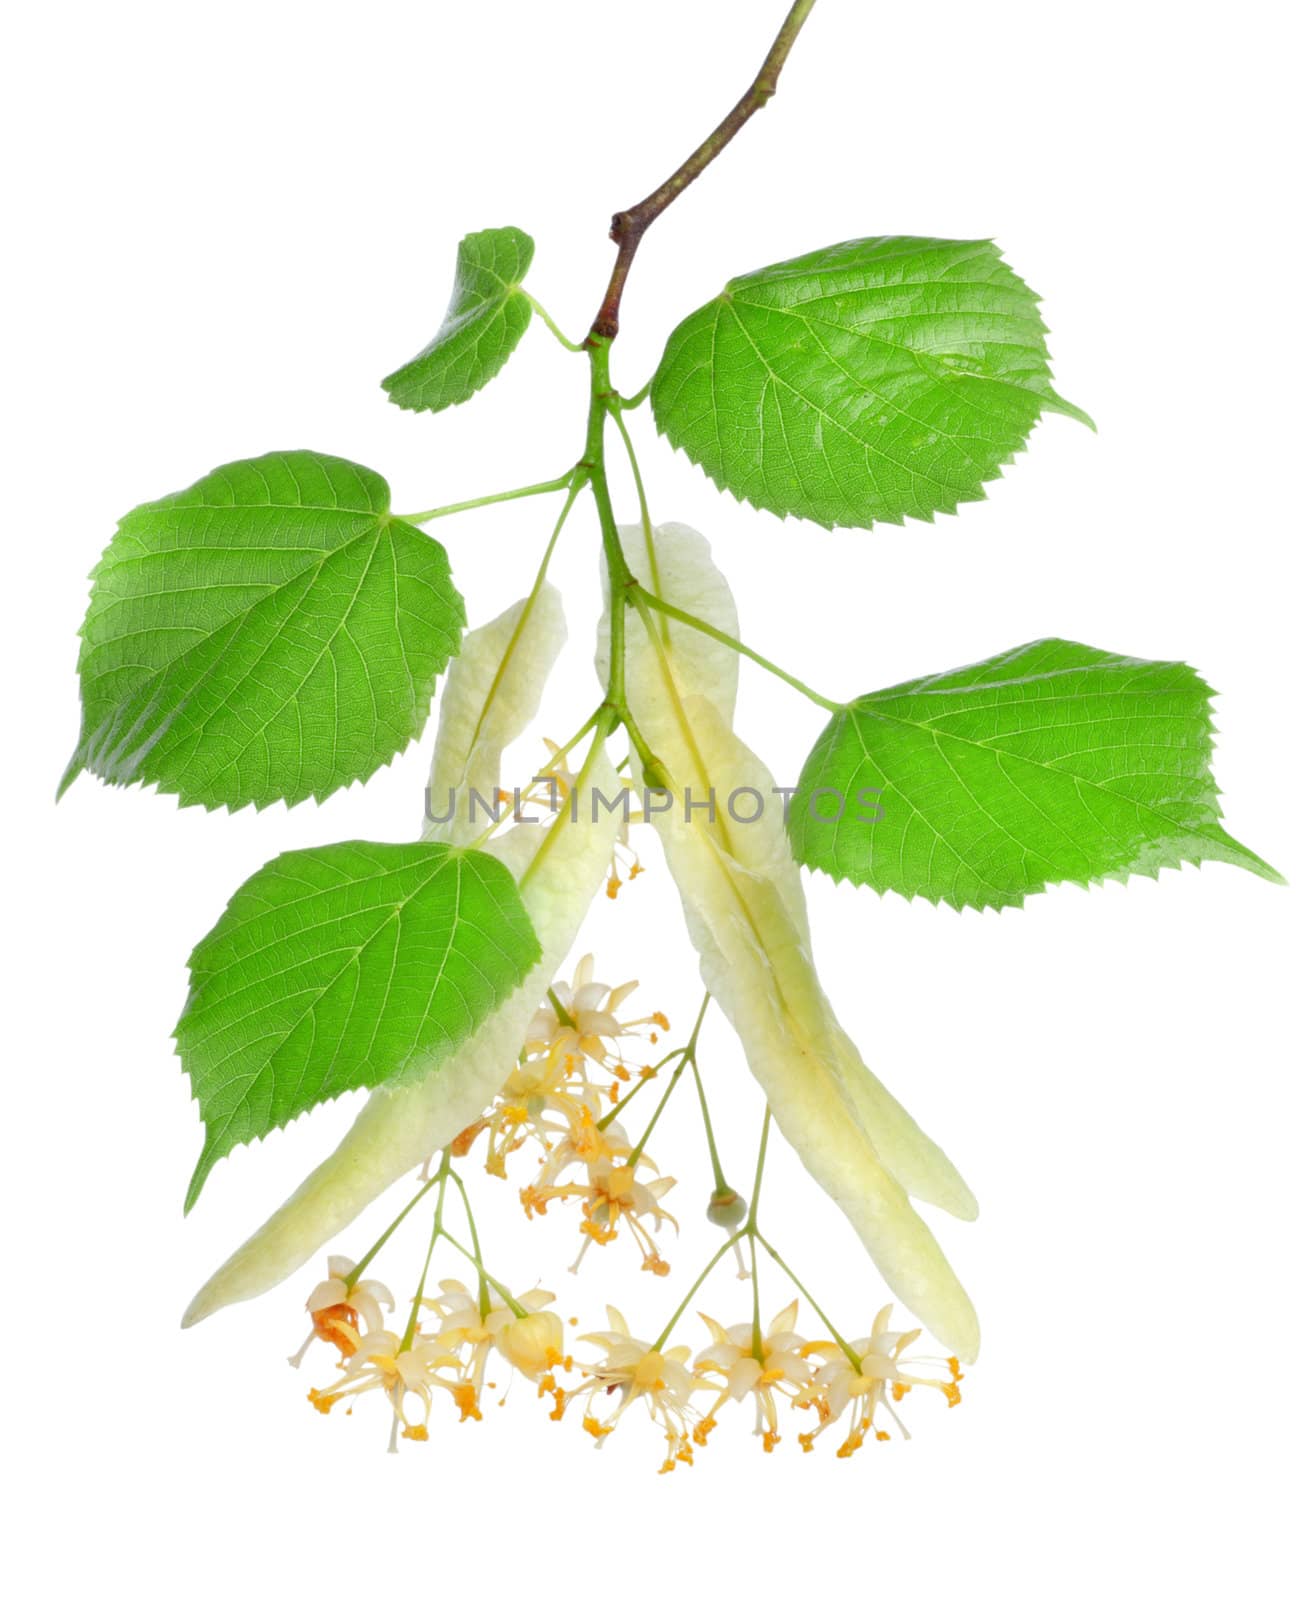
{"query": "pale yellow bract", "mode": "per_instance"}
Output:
(745, 912)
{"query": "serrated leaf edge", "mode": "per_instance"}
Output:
(1051, 402)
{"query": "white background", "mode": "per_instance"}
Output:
(231, 221)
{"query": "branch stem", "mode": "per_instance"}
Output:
(644, 509)
(848, 1350)
(721, 1185)
(494, 1283)
(550, 323)
(687, 1299)
(752, 1223)
(621, 1106)
(633, 401)
(628, 227)
(635, 1155)
(441, 1178)
(645, 600)
(562, 1015)
(618, 576)
(551, 486)
(360, 1268)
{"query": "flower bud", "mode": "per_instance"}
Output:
(534, 1343)
(655, 775)
(727, 1209)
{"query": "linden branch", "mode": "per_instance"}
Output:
(628, 227)
(627, 230)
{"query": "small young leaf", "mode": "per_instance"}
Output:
(271, 633)
(1050, 763)
(866, 382)
(484, 322)
(342, 967)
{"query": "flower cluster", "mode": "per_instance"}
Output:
(560, 1096)
(526, 1335)
(682, 1396)
(636, 1370)
(561, 1099)
(609, 1190)
(741, 1361)
(451, 1356)
(855, 1382)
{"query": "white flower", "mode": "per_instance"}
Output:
(339, 1312)
(547, 1097)
(860, 1385)
(611, 1191)
(532, 1344)
(773, 1365)
(638, 1371)
(381, 1362)
(591, 1008)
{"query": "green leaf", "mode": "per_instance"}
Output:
(484, 322)
(1051, 763)
(866, 382)
(272, 633)
(339, 968)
